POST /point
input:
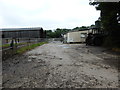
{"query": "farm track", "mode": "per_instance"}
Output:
(57, 65)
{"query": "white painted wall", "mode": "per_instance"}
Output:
(77, 36)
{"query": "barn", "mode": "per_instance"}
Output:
(35, 32)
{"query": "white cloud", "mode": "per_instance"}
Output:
(49, 14)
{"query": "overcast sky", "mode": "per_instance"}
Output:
(49, 14)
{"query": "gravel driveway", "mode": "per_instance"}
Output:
(57, 65)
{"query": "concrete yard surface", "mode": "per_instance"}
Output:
(57, 65)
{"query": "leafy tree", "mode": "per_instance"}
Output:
(57, 33)
(109, 21)
(76, 28)
(80, 28)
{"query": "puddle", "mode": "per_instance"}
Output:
(29, 60)
(64, 46)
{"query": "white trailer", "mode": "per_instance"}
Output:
(76, 36)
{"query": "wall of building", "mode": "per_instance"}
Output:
(22, 33)
(76, 37)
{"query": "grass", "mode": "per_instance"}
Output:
(5, 45)
(8, 45)
(26, 48)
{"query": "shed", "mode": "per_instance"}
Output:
(36, 32)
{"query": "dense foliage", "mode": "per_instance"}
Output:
(58, 33)
(110, 14)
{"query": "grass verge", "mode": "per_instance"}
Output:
(29, 47)
(8, 45)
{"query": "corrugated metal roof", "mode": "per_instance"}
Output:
(18, 29)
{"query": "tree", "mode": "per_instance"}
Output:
(109, 21)
(80, 28)
(57, 33)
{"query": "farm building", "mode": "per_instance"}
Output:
(36, 32)
(76, 36)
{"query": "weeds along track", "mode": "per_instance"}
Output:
(8, 50)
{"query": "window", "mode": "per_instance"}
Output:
(83, 35)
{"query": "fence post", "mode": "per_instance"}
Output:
(15, 45)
